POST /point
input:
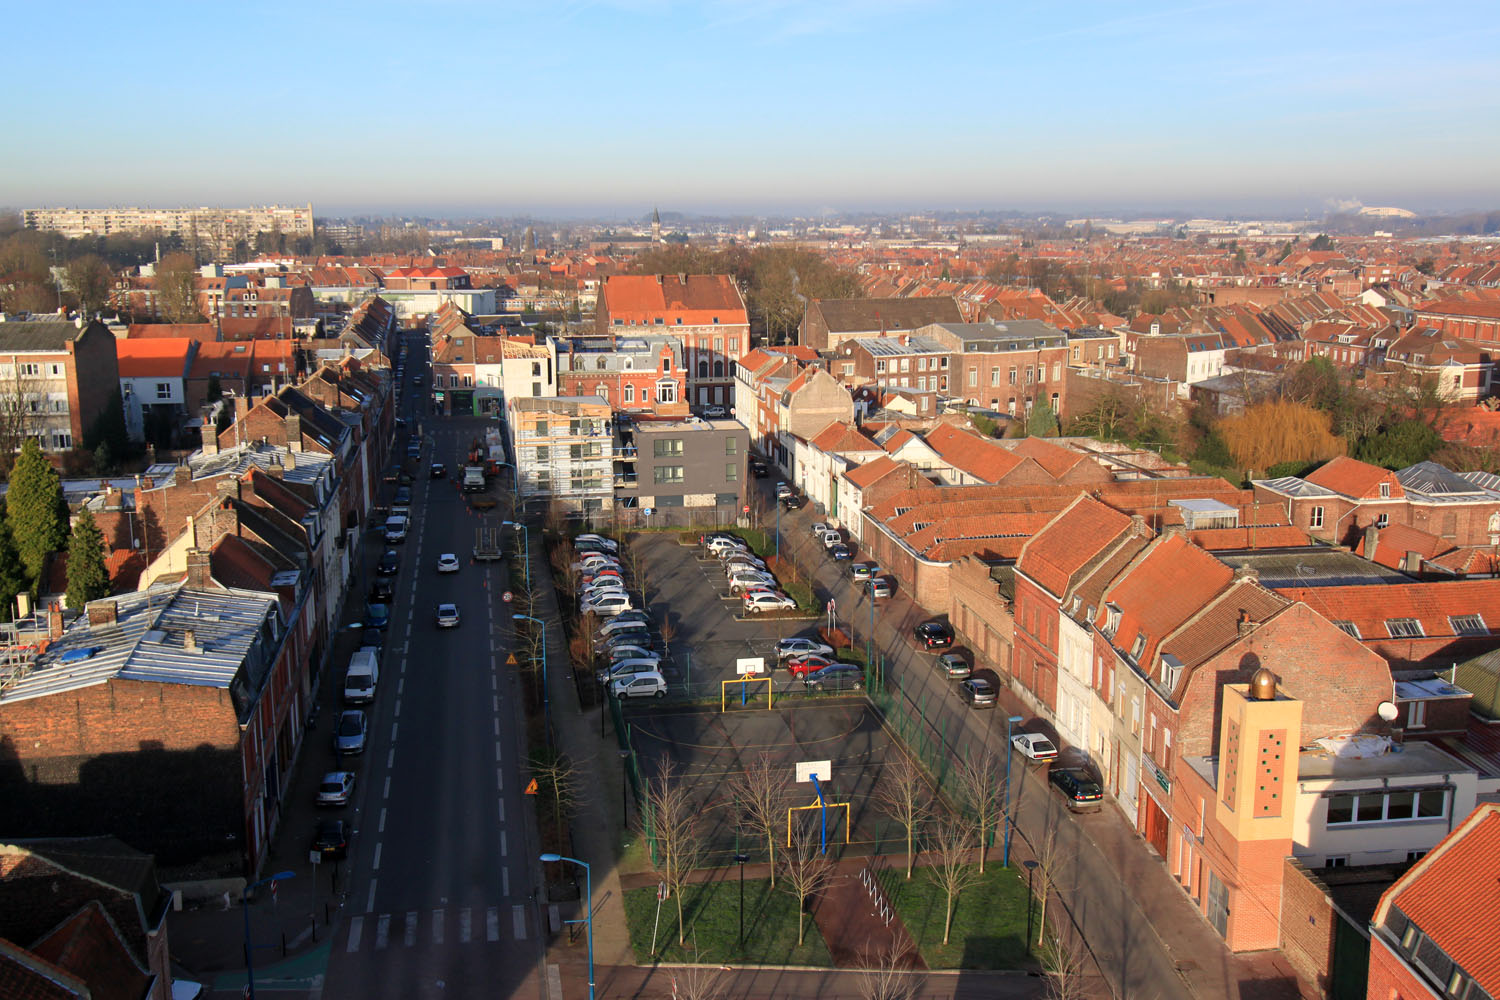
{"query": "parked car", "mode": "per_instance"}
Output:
(622, 621)
(1078, 787)
(606, 605)
(607, 544)
(836, 677)
(830, 537)
(395, 529)
(798, 646)
(978, 692)
(759, 469)
(648, 685)
(349, 734)
(447, 616)
(437, 471)
(742, 559)
(377, 616)
(792, 502)
(863, 571)
(1034, 746)
(954, 665)
(382, 591)
(447, 563)
(627, 651)
(784, 490)
(718, 543)
(742, 582)
(840, 552)
(714, 411)
(634, 639)
(403, 495)
(801, 666)
(595, 561)
(331, 839)
(759, 601)
(881, 588)
(818, 528)
(335, 788)
(621, 669)
(390, 563)
(933, 635)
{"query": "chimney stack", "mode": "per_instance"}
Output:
(199, 570)
(1372, 541)
(54, 621)
(190, 640)
(293, 424)
(210, 433)
(1246, 626)
(103, 612)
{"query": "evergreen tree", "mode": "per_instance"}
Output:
(1042, 422)
(36, 511)
(12, 574)
(88, 580)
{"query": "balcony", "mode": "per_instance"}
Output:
(626, 482)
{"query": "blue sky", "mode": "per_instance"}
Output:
(761, 106)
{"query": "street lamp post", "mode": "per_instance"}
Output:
(1009, 752)
(624, 786)
(1030, 903)
(245, 907)
(741, 859)
(546, 700)
(526, 540)
(588, 909)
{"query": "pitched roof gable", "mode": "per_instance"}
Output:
(1055, 459)
(872, 472)
(970, 453)
(1077, 534)
(1354, 478)
(840, 436)
(1171, 581)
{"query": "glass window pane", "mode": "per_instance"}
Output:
(1432, 804)
(1398, 805)
(1370, 806)
(1341, 809)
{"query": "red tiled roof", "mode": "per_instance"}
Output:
(1393, 542)
(1260, 536)
(1453, 893)
(89, 946)
(698, 299)
(1058, 461)
(1354, 478)
(1173, 581)
(156, 331)
(1369, 607)
(980, 458)
(23, 976)
(872, 472)
(162, 357)
(839, 436)
(1076, 535)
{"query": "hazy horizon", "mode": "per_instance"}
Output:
(594, 110)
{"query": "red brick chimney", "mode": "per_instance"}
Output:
(103, 612)
(293, 432)
(199, 570)
(54, 621)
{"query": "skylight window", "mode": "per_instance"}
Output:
(1350, 627)
(1404, 628)
(1468, 625)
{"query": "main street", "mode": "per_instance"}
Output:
(442, 868)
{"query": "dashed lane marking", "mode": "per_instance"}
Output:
(518, 919)
(381, 828)
(370, 902)
(356, 927)
(409, 938)
(375, 865)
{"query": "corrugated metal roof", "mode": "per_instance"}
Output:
(1294, 486)
(1430, 478)
(147, 643)
(894, 345)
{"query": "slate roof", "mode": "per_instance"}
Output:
(859, 315)
(1452, 893)
(33, 335)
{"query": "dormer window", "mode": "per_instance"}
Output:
(1171, 671)
(1138, 647)
(1112, 619)
(1385, 490)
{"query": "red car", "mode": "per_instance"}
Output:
(801, 666)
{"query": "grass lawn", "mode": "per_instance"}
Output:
(712, 913)
(989, 921)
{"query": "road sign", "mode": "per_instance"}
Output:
(506, 597)
(531, 787)
(646, 511)
(510, 661)
(830, 605)
(745, 509)
(661, 892)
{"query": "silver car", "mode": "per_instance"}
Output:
(349, 734)
(447, 616)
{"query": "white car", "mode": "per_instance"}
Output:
(593, 564)
(765, 600)
(607, 605)
(722, 543)
(783, 490)
(1034, 746)
(743, 582)
(742, 560)
(335, 788)
(788, 648)
(600, 587)
(629, 651)
(818, 528)
(447, 563)
(447, 616)
(625, 620)
(629, 667)
(648, 685)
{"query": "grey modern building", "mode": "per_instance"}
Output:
(685, 471)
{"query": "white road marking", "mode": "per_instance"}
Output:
(497, 727)
(381, 829)
(496, 700)
(387, 793)
(518, 919)
(503, 850)
(465, 918)
(497, 751)
(437, 926)
(409, 938)
(394, 727)
(501, 804)
(382, 931)
(397, 713)
(499, 780)
(400, 686)
(492, 923)
(370, 902)
(376, 863)
(554, 982)
(505, 881)
(390, 758)
(356, 927)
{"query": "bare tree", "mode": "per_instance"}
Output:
(177, 288)
(888, 976)
(904, 794)
(1052, 860)
(89, 278)
(762, 791)
(698, 982)
(982, 782)
(668, 633)
(673, 829)
(558, 781)
(951, 868)
(1063, 971)
(806, 870)
(22, 392)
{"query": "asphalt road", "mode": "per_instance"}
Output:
(442, 865)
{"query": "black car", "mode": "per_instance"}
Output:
(792, 502)
(438, 471)
(759, 469)
(382, 592)
(331, 840)
(836, 677)
(933, 635)
(1078, 787)
(405, 479)
(390, 563)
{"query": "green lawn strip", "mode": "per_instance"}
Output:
(989, 920)
(712, 912)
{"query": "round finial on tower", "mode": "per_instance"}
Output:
(1263, 685)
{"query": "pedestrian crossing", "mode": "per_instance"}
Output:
(434, 928)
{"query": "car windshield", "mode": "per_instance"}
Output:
(333, 786)
(982, 687)
(349, 726)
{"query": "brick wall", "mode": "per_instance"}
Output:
(1391, 978)
(980, 614)
(93, 378)
(1307, 924)
(164, 508)
(157, 764)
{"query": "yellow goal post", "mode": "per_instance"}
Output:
(742, 681)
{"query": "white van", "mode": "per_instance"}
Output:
(395, 528)
(362, 676)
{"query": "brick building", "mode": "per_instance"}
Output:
(636, 375)
(828, 322)
(1007, 367)
(706, 312)
(57, 378)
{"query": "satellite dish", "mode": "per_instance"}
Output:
(1388, 711)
